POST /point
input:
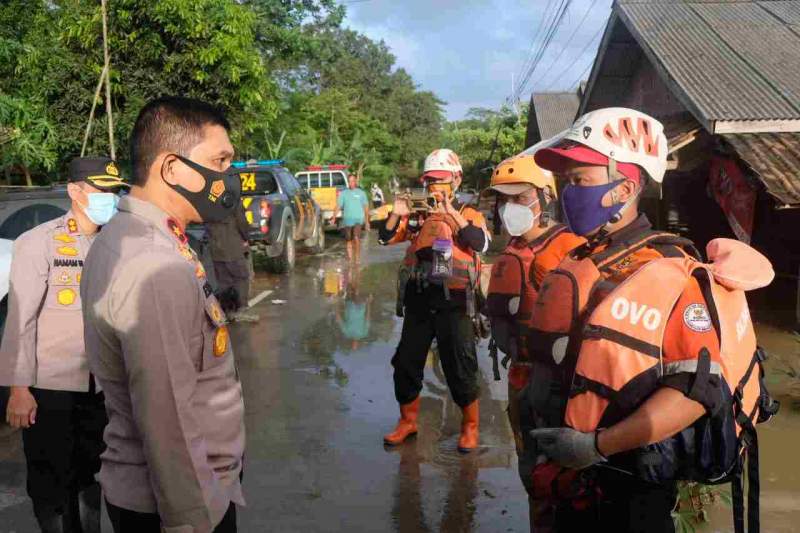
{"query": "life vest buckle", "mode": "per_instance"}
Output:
(767, 408)
(748, 432)
(579, 385)
(761, 354)
(590, 331)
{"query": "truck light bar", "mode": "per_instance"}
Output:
(327, 167)
(260, 162)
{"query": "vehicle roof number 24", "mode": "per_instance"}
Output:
(248, 181)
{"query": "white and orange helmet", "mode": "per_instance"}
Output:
(618, 134)
(441, 164)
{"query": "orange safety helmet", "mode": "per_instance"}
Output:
(517, 174)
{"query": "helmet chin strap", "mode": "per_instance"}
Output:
(544, 214)
(614, 175)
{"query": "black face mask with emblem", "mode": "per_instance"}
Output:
(216, 200)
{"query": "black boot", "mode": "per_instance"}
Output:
(49, 520)
(89, 504)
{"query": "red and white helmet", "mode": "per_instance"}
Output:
(620, 134)
(441, 164)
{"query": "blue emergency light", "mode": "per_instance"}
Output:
(260, 162)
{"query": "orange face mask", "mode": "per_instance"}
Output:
(445, 190)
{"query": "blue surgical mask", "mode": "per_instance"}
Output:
(583, 207)
(102, 206)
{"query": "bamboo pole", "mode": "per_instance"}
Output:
(91, 113)
(107, 68)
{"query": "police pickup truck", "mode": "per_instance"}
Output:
(280, 212)
(324, 183)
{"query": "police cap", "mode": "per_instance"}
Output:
(100, 172)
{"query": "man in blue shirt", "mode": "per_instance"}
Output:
(353, 210)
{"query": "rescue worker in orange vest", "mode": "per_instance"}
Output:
(644, 367)
(437, 295)
(525, 196)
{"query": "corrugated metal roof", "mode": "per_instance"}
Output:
(775, 157)
(555, 112)
(735, 60)
(778, 65)
(787, 11)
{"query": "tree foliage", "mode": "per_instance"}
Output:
(484, 138)
(350, 105)
(296, 84)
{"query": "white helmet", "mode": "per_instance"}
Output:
(623, 135)
(442, 160)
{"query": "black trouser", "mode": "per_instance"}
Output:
(235, 275)
(62, 449)
(626, 505)
(127, 521)
(455, 337)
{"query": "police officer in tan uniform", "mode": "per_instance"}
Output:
(53, 397)
(156, 335)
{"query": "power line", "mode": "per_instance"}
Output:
(540, 37)
(534, 40)
(569, 39)
(553, 29)
(550, 27)
(582, 76)
(580, 54)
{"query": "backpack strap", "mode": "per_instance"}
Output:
(666, 244)
(549, 236)
(750, 458)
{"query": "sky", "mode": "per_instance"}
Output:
(468, 51)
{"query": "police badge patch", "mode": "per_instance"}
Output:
(696, 318)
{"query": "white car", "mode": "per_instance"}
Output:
(6, 249)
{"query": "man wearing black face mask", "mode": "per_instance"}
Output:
(156, 337)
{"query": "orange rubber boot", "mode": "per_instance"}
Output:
(406, 426)
(469, 428)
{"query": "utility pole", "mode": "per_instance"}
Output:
(107, 70)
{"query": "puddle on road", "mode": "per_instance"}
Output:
(348, 337)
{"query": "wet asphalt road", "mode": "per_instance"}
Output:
(318, 398)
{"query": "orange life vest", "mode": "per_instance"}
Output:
(513, 287)
(597, 355)
(466, 262)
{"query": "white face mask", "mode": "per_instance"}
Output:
(518, 218)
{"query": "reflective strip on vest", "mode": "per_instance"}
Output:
(690, 366)
(639, 314)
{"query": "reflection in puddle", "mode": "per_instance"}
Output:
(435, 487)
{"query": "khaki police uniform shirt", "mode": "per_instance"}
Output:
(157, 343)
(43, 338)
